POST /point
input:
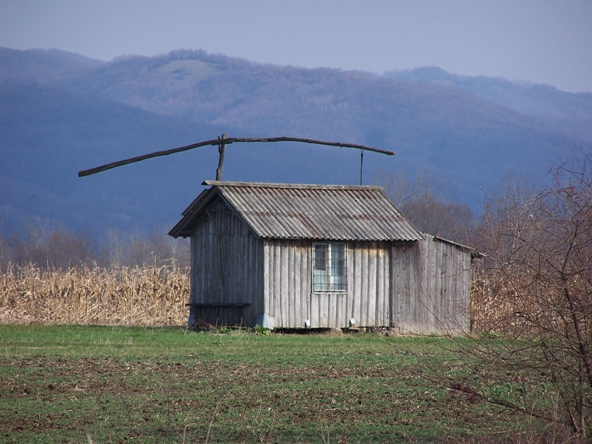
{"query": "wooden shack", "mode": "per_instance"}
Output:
(319, 256)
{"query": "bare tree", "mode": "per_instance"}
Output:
(139, 249)
(427, 201)
(4, 252)
(536, 290)
(54, 249)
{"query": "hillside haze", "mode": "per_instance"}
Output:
(62, 112)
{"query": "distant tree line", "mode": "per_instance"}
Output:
(59, 248)
(429, 203)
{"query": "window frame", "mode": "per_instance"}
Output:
(333, 277)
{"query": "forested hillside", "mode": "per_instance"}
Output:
(566, 113)
(61, 112)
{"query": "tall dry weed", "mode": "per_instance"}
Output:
(148, 296)
(496, 306)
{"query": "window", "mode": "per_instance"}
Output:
(330, 267)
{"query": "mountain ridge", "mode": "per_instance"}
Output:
(64, 112)
(525, 97)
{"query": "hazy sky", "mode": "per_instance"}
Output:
(543, 41)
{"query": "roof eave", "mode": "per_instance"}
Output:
(184, 228)
(474, 253)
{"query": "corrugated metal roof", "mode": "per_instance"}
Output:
(286, 211)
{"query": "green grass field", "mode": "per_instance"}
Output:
(116, 384)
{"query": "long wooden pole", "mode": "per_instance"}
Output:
(119, 163)
(227, 141)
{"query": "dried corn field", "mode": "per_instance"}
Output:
(506, 304)
(492, 305)
(150, 296)
(154, 296)
(498, 305)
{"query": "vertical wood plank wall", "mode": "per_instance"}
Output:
(287, 281)
(227, 267)
(288, 286)
(430, 287)
(368, 279)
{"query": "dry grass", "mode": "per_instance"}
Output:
(153, 296)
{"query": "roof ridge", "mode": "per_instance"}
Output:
(215, 183)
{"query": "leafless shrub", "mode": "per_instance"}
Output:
(536, 290)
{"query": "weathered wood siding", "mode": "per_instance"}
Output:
(430, 287)
(227, 269)
(369, 283)
(288, 286)
(287, 281)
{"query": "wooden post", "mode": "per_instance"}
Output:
(361, 166)
(221, 148)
